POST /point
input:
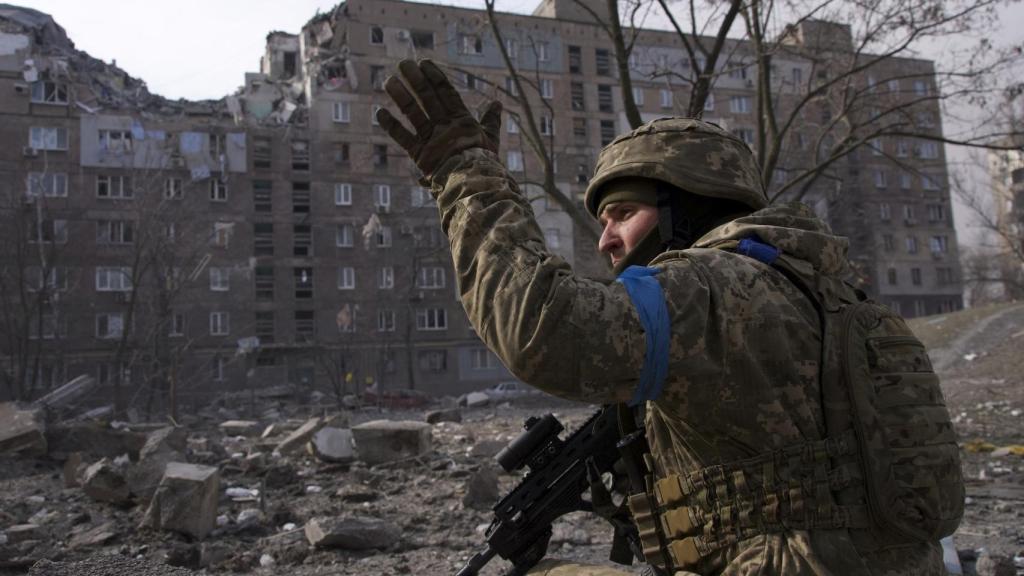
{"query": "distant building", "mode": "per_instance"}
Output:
(1006, 169)
(278, 235)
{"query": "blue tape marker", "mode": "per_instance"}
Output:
(649, 299)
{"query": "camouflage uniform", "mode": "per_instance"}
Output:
(739, 382)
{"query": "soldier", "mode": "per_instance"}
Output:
(716, 326)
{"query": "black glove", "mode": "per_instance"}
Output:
(444, 127)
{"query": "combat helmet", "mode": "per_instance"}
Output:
(692, 155)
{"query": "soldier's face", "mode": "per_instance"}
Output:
(625, 225)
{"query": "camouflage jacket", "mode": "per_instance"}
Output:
(744, 353)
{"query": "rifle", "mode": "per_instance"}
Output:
(560, 471)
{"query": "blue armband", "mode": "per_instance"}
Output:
(649, 299)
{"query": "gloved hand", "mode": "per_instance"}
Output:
(443, 126)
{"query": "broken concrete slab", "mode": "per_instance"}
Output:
(186, 500)
(333, 445)
(95, 536)
(22, 430)
(299, 437)
(23, 532)
(382, 441)
(482, 490)
(105, 482)
(476, 399)
(145, 476)
(438, 416)
(166, 440)
(68, 394)
(240, 427)
(95, 440)
(354, 533)
(73, 470)
(487, 448)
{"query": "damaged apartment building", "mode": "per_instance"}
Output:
(278, 235)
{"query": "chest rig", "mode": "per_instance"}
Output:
(888, 470)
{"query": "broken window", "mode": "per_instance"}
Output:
(109, 326)
(46, 92)
(602, 61)
(386, 278)
(114, 232)
(115, 140)
(377, 76)
(422, 39)
(300, 197)
(262, 196)
(263, 239)
(433, 360)
(300, 155)
(290, 64)
(341, 153)
(305, 324)
(218, 190)
(44, 138)
(380, 155)
(218, 145)
(262, 152)
(173, 189)
(264, 279)
(575, 60)
(303, 282)
(265, 327)
(48, 231)
(302, 240)
(578, 104)
(115, 187)
(604, 98)
(547, 125)
(384, 237)
(471, 44)
(376, 35)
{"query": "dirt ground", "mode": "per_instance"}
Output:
(979, 354)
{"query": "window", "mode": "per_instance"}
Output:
(263, 238)
(262, 196)
(576, 97)
(514, 161)
(342, 194)
(709, 103)
(341, 153)
(386, 278)
(385, 320)
(431, 319)
(44, 138)
(471, 45)
(300, 197)
(49, 184)
(929, 150)
(915, 276)
(607, 132)
(419, 197)
(875, 144)
(604, 98)
(888, 242)
(547, 89)
(113, 279)
(575, 60)
(346, 278)
(380, 155)
(737, 70)
(552, 237)
(894, 85)
(220, 279)
(908, 214)
(543, 52)
(262, 152)
(745, 134)
(115, 140)
(422, 39)
(510, 86)
(547, 125)
(221, 236)
(114, 232)
(300, 155)
(302, 240)
(929, 183)
(218, 190)
(881, 179)
(739, 104)
(936, 213)
(303, 282)
(382, 197)
(920, 309)
(343, 236)
(911, 244)
(892, 277)
(176, 325)
(579, 127)
(376, 35)
(220, 323)
(944, 276)
(433, 360)
(264, 281)
(920, 88)
(430, 277)
(116, 187)
(110, 325)
(55, 231)
(638, 95)
(796, 75)
(905, 180)
(634, 61)
(174, 189)
(45, 92)
(265, 327)
(902, 148)
(346, 318)
(384, 237)
(884, 212)
(218, 145)
(938, 244)
(666, 98)
(217, 368)
(512, 48)
(56, 279)
(342, 112)
(482, 359)
(602, 62)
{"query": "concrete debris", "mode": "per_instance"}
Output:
(106, 565)
(990, 564)
(105, 482)
(73, 470)
(21, 430)
(68, 394)
(186, 500)
(95, 440)
(23, 532)
(475, 400)
(383, 441)
(333, 445)
(298, 438)
(487, 448)
(240, 427)
(438, 416)
(355, 533)
(96, 536)
(482, 491)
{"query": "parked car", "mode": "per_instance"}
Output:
(511, 390)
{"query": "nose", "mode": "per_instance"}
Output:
(609, 240)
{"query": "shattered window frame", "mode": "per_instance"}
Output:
(579, 127)
(301, 198)
(605, 100)
(342, 153)
(577, 97)
(575, 60)
(384, 237)
(471, 45)
(602, 62)
(607, 132)
(422, 39)
(382, 197)
(115, 140)
(176, 327)
(386, 278)
(49, 92)
(109, 325)
(300, 149)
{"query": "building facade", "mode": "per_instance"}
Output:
(278, 235)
